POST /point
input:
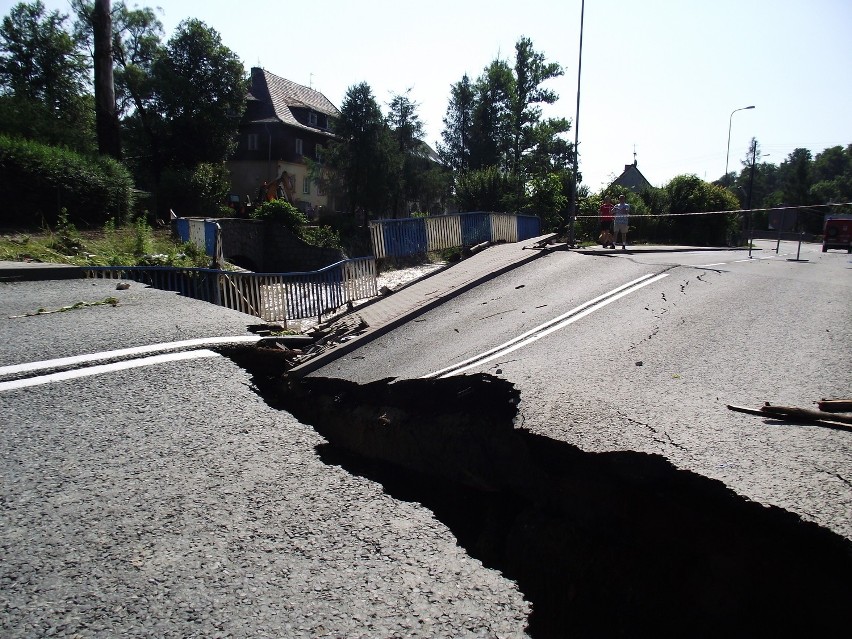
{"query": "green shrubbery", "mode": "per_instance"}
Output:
(133, 244)
(38, 181)
(195, 192)
(283, 212)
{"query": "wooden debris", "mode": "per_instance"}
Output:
(799, 415)
(803, 413)
(835, 405)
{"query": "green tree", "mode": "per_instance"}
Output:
(546, 198)
(832, 175)
(359, 164)
(181, 102)
(796, 177)
(407, 131)
(529, 131)
(44, 79)
(199, 91)
(832, 163)
(498, 122)
(456, 148)
(487, 189)
(491, 140)
(690, 194)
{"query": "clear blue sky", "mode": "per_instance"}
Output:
(660, 76)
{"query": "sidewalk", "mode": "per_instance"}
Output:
(386, 313)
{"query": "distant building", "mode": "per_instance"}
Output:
(284, 124)
(632, 179)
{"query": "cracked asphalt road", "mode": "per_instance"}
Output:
(655, 371)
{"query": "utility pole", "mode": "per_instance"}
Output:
(572, 213)
(750, 189)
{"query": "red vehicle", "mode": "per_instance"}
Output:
(837, 233)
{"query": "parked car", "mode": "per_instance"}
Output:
(837, 233)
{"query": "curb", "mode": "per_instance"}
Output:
(36, 273)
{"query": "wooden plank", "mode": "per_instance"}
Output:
(794, 414)
(805, 413)
(835, 405)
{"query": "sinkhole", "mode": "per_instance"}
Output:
(601, 544)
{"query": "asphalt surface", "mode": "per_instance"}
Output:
(172, 501)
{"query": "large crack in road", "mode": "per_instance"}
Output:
(601, 544)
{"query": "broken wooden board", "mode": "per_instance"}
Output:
(800, 415)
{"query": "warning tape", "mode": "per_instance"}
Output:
(777, 208)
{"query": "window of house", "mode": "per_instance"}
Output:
(252, 141)
(312, 118)
(306, 186)
(319, 151)
(299, 146)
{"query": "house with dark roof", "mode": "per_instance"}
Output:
(631, 178)
(284, 125)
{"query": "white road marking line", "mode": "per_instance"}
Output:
(709, 265)
(63, 362)
(548, 327)
(107, 368)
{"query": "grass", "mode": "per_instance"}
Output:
(132, 245)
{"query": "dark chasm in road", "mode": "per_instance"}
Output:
(601, 544)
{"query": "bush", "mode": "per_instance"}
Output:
(282, 212)
(195, 192)
(323, 236)
(39, 181)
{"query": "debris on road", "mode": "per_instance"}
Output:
(835, 405)
(108, 301)
(798, 415)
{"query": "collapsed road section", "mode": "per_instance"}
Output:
(605, 544)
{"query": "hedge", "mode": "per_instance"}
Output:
(39, 180)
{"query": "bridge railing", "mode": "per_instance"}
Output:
(273, 297)
(413, 236)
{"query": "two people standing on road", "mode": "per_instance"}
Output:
(614, 220)
(621, 217)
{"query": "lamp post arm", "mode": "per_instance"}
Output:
(730, 120)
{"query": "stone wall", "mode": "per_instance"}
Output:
(268, 247)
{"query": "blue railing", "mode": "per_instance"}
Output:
(274, 297)
(414, 236)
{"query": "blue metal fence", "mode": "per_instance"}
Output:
(412, 236)
(274, 297)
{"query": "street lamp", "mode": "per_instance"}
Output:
(730, 119)
(572, 211)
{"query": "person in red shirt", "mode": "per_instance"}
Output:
(606, 223)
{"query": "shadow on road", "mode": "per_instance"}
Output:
(608, 544)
